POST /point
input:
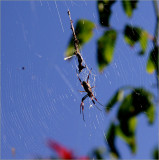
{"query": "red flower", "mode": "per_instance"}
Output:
(62, 151)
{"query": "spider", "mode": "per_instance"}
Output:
(88, 90)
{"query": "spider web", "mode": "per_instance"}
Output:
(42, 100)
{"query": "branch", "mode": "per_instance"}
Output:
(155, 3)
(156, 34)
(76, 44)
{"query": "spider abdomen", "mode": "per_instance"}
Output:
(87, 88)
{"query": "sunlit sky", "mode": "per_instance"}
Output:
(43, 100)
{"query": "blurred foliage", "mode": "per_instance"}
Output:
(110, 139)
(137, 100)
(105, 49)
(128, 134)
(143, 41)
(98, 153)
(84, 32)
(136, 34)
(132, 34)
(118, 96)
(152, 63)
(129, 6)
(104, 10)
(156, 153)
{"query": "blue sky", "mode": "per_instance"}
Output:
(43, 101)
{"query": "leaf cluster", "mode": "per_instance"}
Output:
(138, 100)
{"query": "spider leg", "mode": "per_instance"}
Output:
(95, 104)
(82, 91)
(79, 78)
(97, 101)
(82, 105)
(93, 87)
(89, 75)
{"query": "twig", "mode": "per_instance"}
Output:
(74, 34)
(157, 22)
(76, 45)
(156, 34)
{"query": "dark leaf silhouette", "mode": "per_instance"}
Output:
(104, 10)
(111, 136)
(156, 153)
(132, 35)
(106, 45)
(129, 6)
(137, 102)
(152, 63)
(126, 130)
(97, 153)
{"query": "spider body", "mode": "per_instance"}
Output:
(88, 90)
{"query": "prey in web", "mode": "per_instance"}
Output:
(88, 90)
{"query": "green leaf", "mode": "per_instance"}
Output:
(126, 130)
(128, 126)
(106, 45)
(125, 109)
(156, 153)
(152, 63)
(143, 42)
(129, 6)
(150, 113)
(84, 32)
(142, 102)
(118, 96)
(150, 68)
(138, 101)
(104, 10)
(70, 49)
(132, 34)
(110, 138)
(98, 153)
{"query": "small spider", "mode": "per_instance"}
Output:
(88, 89)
